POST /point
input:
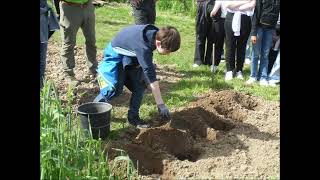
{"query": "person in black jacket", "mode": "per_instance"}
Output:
(264, 21)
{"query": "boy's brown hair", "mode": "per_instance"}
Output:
(169, 37)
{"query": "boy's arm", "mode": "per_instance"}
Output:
(162, 109)
(156, 92)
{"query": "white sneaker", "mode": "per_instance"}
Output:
(239, 75)
(251, 80)
(273, 82)
(229, 76)
(264, 82)
(195, 65)
(213, 68)
(247, 61)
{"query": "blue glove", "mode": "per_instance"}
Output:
(163, 111)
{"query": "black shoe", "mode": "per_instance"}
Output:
(138, 123)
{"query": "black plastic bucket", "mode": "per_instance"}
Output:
(96, 115)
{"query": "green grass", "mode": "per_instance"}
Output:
(64, 152)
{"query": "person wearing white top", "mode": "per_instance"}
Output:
(237, 28)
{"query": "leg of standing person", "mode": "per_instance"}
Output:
(256, 50)
(275, 72)
(241, 44)
(210, 40)
(88, 29)
(70, 21)
(200, 36)
(43, 56)
(248, 52)
(230, 46)
(219, 41)
(140, 16)
(266, 43)
(152, 13)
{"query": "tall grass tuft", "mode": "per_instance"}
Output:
(65, 153)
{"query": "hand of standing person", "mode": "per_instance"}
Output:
(254, 39)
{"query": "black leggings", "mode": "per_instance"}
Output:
(236, 44)
(204, 39)
(219, 35)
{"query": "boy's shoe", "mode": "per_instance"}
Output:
(251, 80)
(213, 68)
(239, 75)
(229, 76)
(264, 82)
(195, 65)
(138, 123)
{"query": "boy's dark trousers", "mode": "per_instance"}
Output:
(219, 35)
(203, 35)
(236, 43)
(131, 77)
(145, 13)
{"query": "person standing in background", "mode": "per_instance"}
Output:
(264, 22)
(218, 14)
(48, 24)
(203, 36)
(144, 11)
(77, 14)
(237, 27)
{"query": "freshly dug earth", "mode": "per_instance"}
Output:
(222, 135)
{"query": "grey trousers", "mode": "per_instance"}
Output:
(72, 18)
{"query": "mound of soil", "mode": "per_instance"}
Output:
(201, 142)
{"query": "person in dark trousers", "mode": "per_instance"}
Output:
(203, 52)
(218, 14)
(264, 22)
(144, 11)
(237, 27)
(274, 53)
(128, 62)
(48, 24)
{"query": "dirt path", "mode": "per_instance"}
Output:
(223, 135)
